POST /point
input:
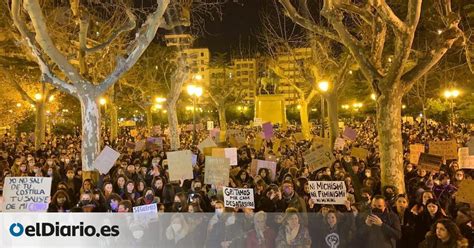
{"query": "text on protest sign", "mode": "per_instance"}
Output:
(320, 157)
(328, 192)
(217, 171)
(429, 162)
(465, 161)
(145, 213)
(415, 151)
(106, 160)
(446, 149)
(238, 198)
(180, 165)
(26, 194)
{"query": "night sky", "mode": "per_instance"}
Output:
(236, 31)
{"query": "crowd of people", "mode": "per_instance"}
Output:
(426, 214)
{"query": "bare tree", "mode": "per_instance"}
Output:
(381, 43)
(73, 81)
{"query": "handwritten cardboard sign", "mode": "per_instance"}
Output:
(145, 213)
(180, 165)
(328, 192)
(321, 156)
(464, 193)
(359, 153)
(217, 171)
(465, 160)
(446, 149)
(430, 162)
(26, 194)
(106, 160)
(339, 144)
(238, 198)
(210, 125)
(258, 165)
(415, 151)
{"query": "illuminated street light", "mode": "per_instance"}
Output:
(158, 106)
(404, 106)
(323, 86)
(298, 106)
(345, 106)
(51, 98)
(195, 92)
(373, 96)
(38, 96)
(102, 101)
(18, 105)
(160, 99)
(451, 94)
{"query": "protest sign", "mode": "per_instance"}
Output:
(349, 133)
(180, 165)
(446, 149)
(465, 160)
(470, 145)
(339, 144)
(26, 194)
(145, 213)
(217, 171)
(359, 153)
(106, 160)
(321, 156)
(210, 125)
(429, 162)
(415, 151)
(208, 142)
(328, 192)
(230, 153)
(238, 198)
(267, 130)
(464, 193)
(264, 164)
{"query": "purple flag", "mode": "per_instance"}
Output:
(349, 133)
(267, 130)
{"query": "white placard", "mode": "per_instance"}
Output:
(106, 160)
(231, 154)
(26, 194)
(208, 142)
(328, 192)
(465, 160)
(210, 125)
(238, 198)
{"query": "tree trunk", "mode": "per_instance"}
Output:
(149, 118)
(331, 100)
(40, 125)
(425, 118)
(173, 126)
(113, 122)
(222, 118)
(305, 129)
(90, 116)
(389, 109)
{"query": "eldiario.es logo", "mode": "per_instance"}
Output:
(48, 229)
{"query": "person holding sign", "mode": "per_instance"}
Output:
(382, 227)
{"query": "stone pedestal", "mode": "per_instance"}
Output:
(271, 108)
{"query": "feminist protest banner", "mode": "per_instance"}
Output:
(465, 161)
(446, 149)
(430, 162)
(106, 160)
(238, 198)
(328, 192)
(217, 171)
(415, 151)
(26, 194)
(359, 153)
(180, 165)
(320, 157)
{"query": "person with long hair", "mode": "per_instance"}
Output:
(60, 202)
(407, 221)
(293, 233)
(444, 234)
(431, 213)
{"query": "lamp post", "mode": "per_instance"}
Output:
(450, 95)
(103, 102)
(195, 92)
(323, 87)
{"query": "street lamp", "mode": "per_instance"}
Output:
(195, 92)
(373, 96)
(38, 96)
(323, 87)
(450, 94)
(102, 101)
